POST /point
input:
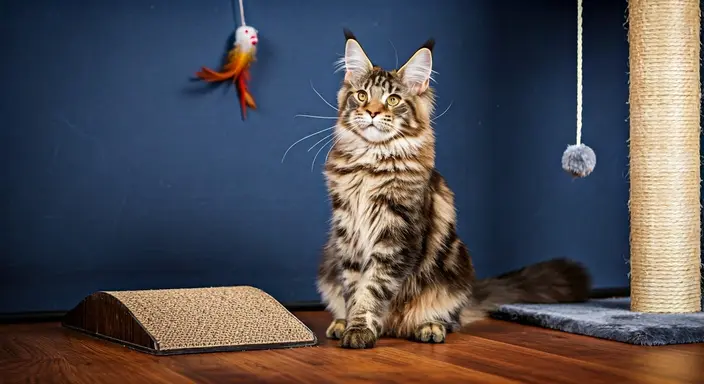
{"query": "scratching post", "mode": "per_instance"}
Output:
(194, 320)
(665, 155)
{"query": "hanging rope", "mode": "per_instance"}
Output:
(242, 13)
(579, 72)
(579, 160)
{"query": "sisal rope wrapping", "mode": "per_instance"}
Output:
(664, 155)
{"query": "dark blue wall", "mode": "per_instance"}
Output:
(117, 173)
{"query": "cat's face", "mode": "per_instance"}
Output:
(378, 105)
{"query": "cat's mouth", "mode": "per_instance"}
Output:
(375, 127)
(375, 134)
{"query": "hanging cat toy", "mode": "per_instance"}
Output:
(239, 60)
(579, 159)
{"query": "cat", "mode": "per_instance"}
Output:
(393, 264)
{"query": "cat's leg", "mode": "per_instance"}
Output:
(434, 320)
(433, 312)
(331, 294)
(434, 327)
(368, 293)
(331, 291)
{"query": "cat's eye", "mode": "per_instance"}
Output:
(393, 100)
(361, 96)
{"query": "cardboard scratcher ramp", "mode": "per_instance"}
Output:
(192, 320)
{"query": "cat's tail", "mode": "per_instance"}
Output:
(553, 281)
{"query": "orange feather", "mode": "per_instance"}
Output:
(237, 69)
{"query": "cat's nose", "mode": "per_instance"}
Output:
(372, 114)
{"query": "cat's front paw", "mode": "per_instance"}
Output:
(358, 338)
(336, 329)
(431, 333)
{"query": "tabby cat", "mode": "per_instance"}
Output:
(393, 264)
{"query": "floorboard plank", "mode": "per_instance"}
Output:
(487, 352)
(47, 353)
(682, 363)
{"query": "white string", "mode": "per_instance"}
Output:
(579, 72)
(242, 13)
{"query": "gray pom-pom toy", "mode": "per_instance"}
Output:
(579, 160)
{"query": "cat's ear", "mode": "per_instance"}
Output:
(356, 63)
(418, 69)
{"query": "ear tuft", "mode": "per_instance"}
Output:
(348, 34)
(430, 44)
(418, 69)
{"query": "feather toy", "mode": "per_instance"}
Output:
(236, 68)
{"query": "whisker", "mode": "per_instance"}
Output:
(318, 117)
(443, 112)
(321, 96)
(331, 147)
(320, 141)
(395, 53)
(312, 165)
(305, 137)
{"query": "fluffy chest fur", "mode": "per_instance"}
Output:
(358, 218)
(364, 192)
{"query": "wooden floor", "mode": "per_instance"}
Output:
(490, 352)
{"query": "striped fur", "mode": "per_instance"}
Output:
(393, 264)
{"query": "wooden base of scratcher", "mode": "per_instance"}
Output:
(194, 320)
